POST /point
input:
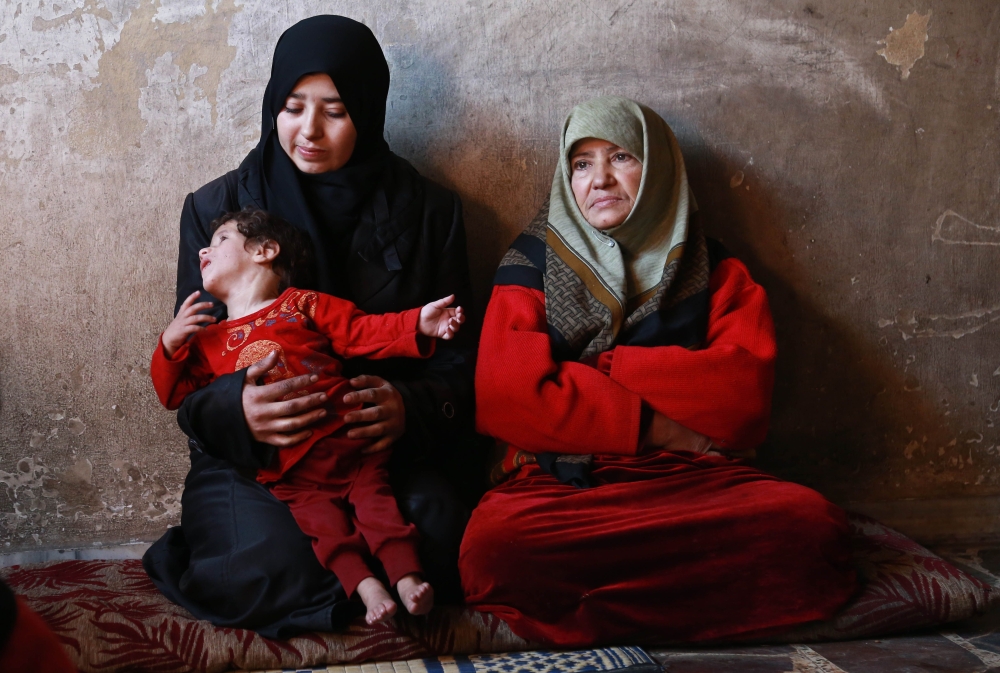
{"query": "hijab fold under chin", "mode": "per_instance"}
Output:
(327, 205)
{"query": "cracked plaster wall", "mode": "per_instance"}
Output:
(854, 168)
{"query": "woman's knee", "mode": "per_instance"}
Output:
(808, 520)
(495, 545)
(429, 501)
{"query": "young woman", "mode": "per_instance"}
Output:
(386, 239)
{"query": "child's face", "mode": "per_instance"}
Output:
(226, 262)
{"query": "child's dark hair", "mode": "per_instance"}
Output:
(294, 264)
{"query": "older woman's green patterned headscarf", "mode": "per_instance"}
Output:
(630, 258)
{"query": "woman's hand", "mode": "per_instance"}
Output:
(386, 418)
(185, 323)
(275, 421)
(664, 434)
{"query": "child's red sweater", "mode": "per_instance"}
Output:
(307, 329)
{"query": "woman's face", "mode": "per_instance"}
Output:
(314, 128)
(605, 180)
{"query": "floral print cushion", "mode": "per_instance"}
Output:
(905, 587)
(110, 617)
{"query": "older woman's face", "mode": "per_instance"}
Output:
(605, 180)
(314, 128)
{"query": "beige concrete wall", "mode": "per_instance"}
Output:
(860, 188)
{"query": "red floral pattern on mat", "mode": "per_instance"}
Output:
(111, 619)
(906, 587)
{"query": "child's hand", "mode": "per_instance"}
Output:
(437, 320)
(187, 322)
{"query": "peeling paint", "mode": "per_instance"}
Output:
(904, 47)
(135, 487)
(40, 496)
(28, 490)
(198, 47)
(76, 426)
(8, 75)
(38, 24)
(913, 324)
(953, 229)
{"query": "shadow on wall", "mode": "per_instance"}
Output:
(830, 396)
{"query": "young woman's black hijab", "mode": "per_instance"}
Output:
(327, 205)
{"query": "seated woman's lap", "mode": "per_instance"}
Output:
(430, 501)
(670, 546)
(239, 559)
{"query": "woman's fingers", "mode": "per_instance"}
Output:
(368, 390)
(272, 392)
(368, 431)
(385, 421)
(299, 405)
(281, 440)
(367, 415)
(380, 445)
(366, 396)
(287, 424)
(274, 420)
(262, 366)
(367, 381)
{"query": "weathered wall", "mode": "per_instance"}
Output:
(861, 189)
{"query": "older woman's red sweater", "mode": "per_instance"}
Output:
(667, 545)
(722, 390)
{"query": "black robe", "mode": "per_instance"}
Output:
(238, 559)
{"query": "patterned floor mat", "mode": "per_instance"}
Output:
(631, 659)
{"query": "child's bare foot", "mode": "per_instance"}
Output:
(378, 601)
(417, 595)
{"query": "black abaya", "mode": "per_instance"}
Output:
(386, 239)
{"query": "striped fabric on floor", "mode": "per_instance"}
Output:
(631, 659)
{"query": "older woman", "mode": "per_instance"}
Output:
(623, 355)
(386, 239)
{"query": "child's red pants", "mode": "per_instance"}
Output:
(341, 498)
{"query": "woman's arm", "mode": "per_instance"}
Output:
(723, 390)
(527, 399)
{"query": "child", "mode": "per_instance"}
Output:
(252, 262)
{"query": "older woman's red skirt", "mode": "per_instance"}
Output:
(667, 547)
